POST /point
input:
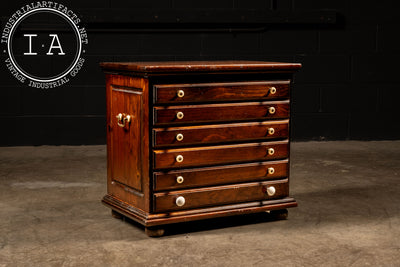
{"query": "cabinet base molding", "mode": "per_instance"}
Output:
(156, 219)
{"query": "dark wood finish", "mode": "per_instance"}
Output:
(226, 130)
(126, 141)
(221, 112)
(221, 195)
(120, 155)
(218, 155)
(280, 214)
(154, 231)
(221, 91)
(228, 174)
(156, 219)
(200, 66)
(217, 133)
(117, 215)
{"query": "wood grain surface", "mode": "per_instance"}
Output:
(260, 90)
(221, 195)
(221, 112)
(218, 155)
(217, 133)
(220, 175)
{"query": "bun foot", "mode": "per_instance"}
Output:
(279, 214)
(116, 215)
(154, 232)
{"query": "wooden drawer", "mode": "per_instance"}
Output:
(220, 195)
(205, 92)
(190, 135)
(219, 175)
(216, 155)
(221, 112)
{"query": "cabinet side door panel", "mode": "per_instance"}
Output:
(126, 140)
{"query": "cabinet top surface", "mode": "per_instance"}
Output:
(199, 66)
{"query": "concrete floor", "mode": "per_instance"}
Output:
(348, 214)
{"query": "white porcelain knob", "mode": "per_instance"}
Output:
(180, 201)
(271, 191)
(271, 170)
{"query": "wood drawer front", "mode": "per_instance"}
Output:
(220, 195)
(221, 112)
(228, 174)
(245, 132)
(215, 155)
(185, 93)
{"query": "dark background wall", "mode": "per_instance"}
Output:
(348, 87)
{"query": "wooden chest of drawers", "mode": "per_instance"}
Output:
(196, 140)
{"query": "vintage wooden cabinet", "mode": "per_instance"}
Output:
(196, 140)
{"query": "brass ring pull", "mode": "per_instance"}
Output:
(179, 158)
(271, 110)
(179, 137)
(123, 119)
(179, 179)
(272, 90)
(271, 131)
(179, 115)
(181, 93)
(271, 170)
(271, 151)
